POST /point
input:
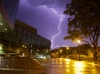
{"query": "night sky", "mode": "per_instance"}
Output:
(48, 18)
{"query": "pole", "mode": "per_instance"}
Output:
(79, 51)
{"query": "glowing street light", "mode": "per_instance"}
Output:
(67, 50)
(5, 29)
(61, 50)
(78, 41)
(31, 52)
(78, 48)
(23, 45)
(0, 23)
(92, 45)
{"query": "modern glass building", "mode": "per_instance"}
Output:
(16, 36)
(27, 36)
(24, 39)
(8, 10)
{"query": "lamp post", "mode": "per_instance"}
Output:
(78, 48)
(67, 50)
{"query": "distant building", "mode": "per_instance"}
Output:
(63, 51)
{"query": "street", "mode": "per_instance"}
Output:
(67, 66)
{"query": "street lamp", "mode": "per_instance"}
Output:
(78, 48)
(5, 29)
(67, 50)
(92, 46)
(23, 45)
(61, 50)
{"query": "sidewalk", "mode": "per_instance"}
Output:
(21, 72)
(97, 65)
(20, 65)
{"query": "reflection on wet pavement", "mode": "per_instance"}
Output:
(67, 66)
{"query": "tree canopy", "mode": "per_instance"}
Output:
(84, 21)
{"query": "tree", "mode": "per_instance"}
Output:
(84, 22)
(84, 48)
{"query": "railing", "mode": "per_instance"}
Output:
(20, 64)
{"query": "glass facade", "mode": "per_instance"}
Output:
(30, 38)
(11, 7)
(22, 35)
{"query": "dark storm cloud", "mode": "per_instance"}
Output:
(49, 3)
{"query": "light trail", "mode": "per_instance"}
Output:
(61, 18)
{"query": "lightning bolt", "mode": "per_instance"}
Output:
(61, 18)
(56, 46)
(54, 11)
